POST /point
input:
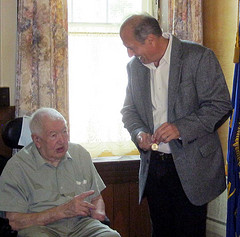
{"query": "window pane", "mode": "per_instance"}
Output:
(97, 87)
(102, 11)
(89, 11)
(118, 9)
(97, 74)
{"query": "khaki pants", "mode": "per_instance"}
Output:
(73, 227)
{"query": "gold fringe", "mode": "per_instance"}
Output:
(230, 124)
(230, 194)
(236, 145)
(237, 49)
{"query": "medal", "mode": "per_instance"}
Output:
(154, 146)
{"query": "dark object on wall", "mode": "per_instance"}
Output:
(5, 229)
(4, 96)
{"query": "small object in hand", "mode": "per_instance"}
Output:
(154, 146)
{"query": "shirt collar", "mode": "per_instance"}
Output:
(167, 55)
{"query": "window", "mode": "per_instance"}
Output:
(97, 74)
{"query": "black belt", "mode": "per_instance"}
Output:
(155, 155)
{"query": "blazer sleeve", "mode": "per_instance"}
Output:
(208, 102)
(133, 110)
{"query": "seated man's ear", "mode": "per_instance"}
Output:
(36, 139)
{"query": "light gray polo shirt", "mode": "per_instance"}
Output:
(29, 184)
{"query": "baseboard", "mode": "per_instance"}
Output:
(216, 227)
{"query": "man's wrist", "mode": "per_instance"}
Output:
(139, 136)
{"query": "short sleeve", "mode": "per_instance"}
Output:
(12, 193)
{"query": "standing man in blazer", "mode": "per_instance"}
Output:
(176, 100)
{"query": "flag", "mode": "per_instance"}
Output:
(233, 154)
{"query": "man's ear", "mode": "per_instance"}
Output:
(151, 39)
(36, 140)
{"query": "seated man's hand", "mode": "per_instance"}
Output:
(99, 212)
(98, 215)
(78, 206)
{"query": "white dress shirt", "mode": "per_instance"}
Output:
(159, 90)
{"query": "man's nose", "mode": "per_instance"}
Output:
(130, 53)
(61, 138)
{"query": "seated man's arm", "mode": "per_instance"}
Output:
(76, 207)
(99, 212)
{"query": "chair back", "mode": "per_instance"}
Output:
(11, 133)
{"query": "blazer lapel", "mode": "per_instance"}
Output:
(144, 85)
(174, 75)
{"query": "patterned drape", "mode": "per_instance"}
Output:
(185, 19)
(42, 56)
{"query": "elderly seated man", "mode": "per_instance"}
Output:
(51, 187)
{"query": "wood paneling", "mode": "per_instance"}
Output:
(121, 197)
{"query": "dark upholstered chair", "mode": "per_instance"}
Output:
(5, 229)
(11, 132)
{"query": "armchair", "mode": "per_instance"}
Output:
(5, 229)
(11, 132)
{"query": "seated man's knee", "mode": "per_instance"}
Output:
(36, 231)
(112, 233)
(115, 234)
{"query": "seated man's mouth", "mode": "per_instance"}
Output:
(60, 149)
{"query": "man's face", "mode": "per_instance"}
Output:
(135, 48)
(53, 142)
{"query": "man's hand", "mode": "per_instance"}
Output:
(99, 212)
(165, 133)
(144, 141)
(78, 206)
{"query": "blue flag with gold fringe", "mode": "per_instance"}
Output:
(233, 155)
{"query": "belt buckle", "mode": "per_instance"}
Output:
(162, 156)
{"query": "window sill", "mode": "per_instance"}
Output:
(118, 169)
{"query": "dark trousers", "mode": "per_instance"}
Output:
(172, 214)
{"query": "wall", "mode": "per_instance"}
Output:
(220, 26)
(8, 20)
(219, 32)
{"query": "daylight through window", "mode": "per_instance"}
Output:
(97, 74)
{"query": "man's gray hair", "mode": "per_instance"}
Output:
(37, 119)
(142, 25)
